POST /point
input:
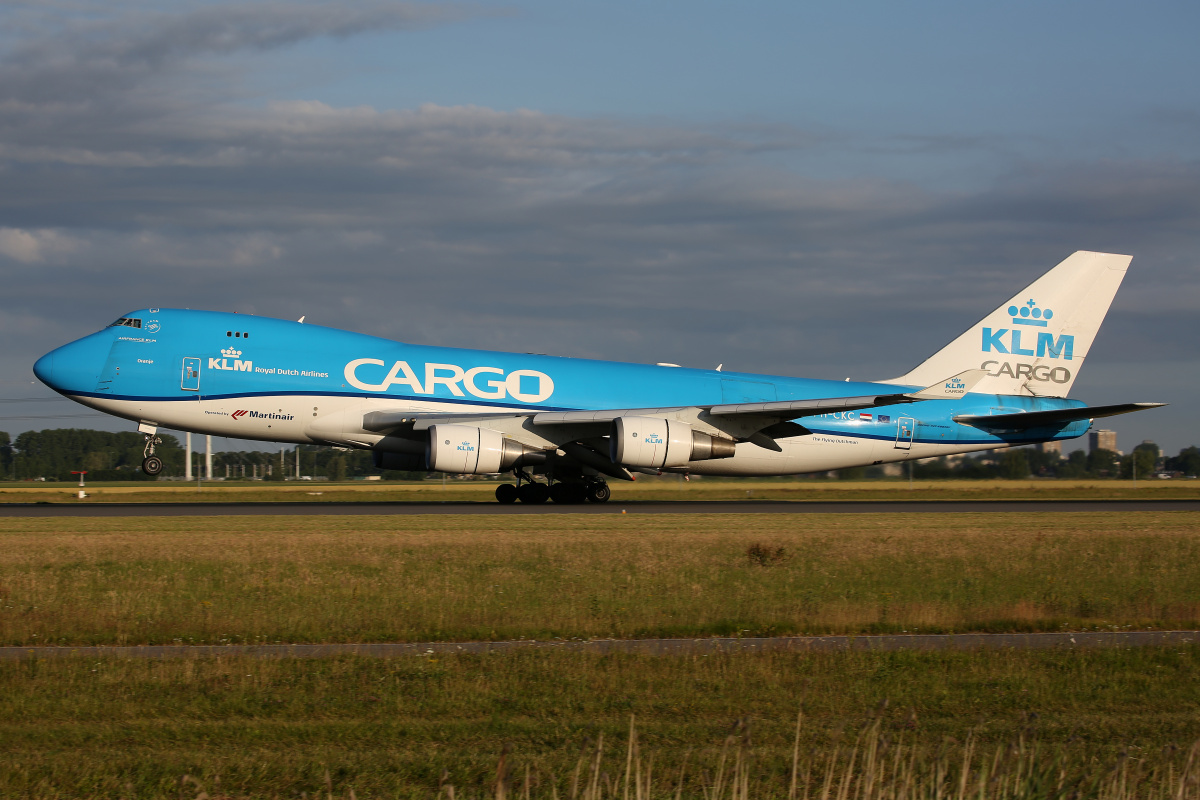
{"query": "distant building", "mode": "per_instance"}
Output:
(1054, 448)
(1102, 440)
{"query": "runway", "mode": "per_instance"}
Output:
(614, 507)
(656, 647)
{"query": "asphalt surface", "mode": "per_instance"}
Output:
(614, 507)
(660, 647)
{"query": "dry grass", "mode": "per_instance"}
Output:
(645, 489)
(289, 579)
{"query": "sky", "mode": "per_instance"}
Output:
(826, 190)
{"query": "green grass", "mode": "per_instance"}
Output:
(397, 728)
(338, 579)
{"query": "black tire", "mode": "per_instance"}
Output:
(534, 493)
(599, 493)
(506, 493)
(152, 465)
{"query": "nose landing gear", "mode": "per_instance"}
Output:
(151, 464)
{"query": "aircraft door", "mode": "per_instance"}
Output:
(905, 428)
(190, 382)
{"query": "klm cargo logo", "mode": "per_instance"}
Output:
(653, 438)
(522, 385)
(466, 447)
(1020, 341)
(237, 366)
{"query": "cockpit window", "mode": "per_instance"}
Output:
(127, 322)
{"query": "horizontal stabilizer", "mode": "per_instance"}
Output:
(1048, 419)
(951, 388)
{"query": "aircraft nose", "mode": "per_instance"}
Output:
(43, 368)
(74, 367)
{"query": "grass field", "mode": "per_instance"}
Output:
(646, 488)
(418, 578)
(399, 728)
(1113, 724)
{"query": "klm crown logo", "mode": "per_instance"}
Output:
(1029, 314)
(237, 366)
(1044, 345)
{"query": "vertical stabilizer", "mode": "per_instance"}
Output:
(1035, 343)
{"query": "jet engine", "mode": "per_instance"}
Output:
(475, 451)
(656, 443)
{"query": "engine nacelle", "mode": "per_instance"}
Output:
(474, 451)
(656, 443)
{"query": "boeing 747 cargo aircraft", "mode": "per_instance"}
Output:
(562, 426)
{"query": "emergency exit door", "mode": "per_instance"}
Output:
(191, 375)
(905, 428)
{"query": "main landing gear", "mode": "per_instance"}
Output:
(151, 464)
(530, 491)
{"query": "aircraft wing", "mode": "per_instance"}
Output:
(1048, 419)
(759, 423)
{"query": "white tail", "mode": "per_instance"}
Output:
(1035, 343)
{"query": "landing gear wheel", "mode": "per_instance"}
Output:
(506, 493)
(599, 493)
(152, 465)
(535, 493)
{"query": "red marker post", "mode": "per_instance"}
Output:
(80, 473)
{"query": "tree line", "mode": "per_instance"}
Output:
(55, 454)
(1030, 462)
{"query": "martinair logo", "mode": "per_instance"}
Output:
(237, 366)
(259, 415)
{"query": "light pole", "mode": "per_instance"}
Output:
(80, 473)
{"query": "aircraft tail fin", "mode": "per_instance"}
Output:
(1035, 343)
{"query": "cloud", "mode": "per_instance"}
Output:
(87, 57)
(117, 90)
(470, 226)
(31, 247)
